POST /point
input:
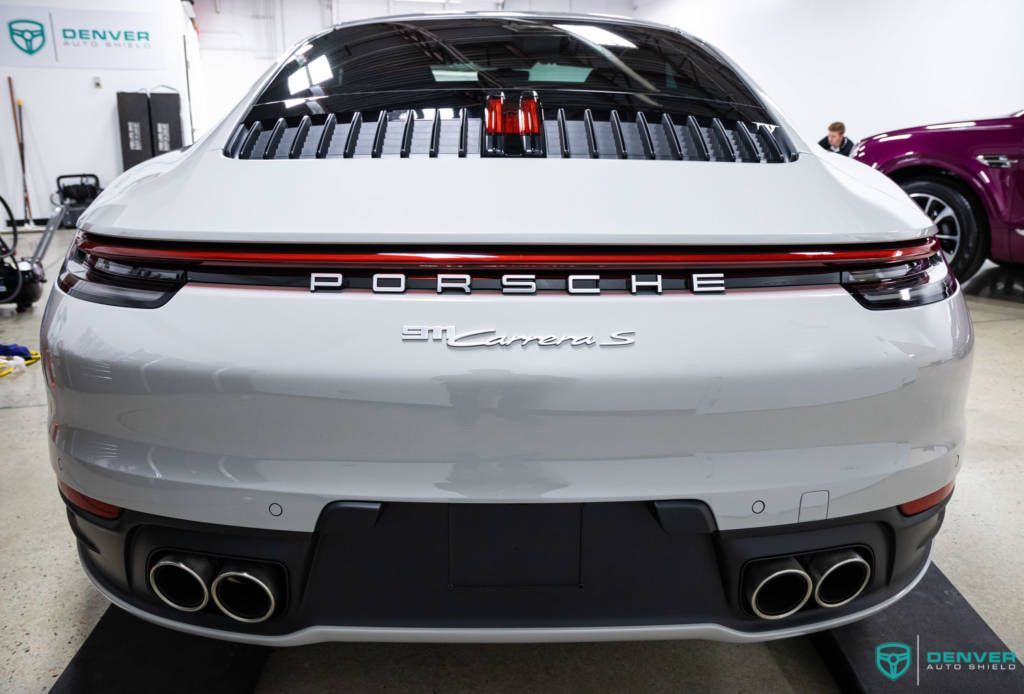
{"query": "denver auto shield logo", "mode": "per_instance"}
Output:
(892, 659)
(27, 35)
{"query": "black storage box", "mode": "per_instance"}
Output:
(165, 121)
(133, 122)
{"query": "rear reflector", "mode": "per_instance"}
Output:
(88, 504)
(926, 502)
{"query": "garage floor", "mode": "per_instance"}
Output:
(48, 607)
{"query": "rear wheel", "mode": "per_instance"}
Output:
(961, 232)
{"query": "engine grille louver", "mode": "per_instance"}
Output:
(588, 135)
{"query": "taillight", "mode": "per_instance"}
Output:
(126, 282)
(146, 274)
(902, 285)
(512, 126)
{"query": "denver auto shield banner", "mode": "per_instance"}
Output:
(59, 37)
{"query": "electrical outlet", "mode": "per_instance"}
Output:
(97, 82)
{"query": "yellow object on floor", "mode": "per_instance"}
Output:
(16, 365)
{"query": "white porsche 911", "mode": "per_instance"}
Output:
(505, 327)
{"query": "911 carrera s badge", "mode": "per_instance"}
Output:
(530, 283)
(492, 338)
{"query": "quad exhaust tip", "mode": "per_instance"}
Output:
(246, 594)
(181, 582)
(839, 576)
(778, 588)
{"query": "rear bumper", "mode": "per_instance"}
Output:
(425, 572)
(772, 407)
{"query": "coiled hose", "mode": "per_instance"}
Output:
(7, 252)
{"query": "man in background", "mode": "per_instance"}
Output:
(836, 140)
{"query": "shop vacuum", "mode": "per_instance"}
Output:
(22, 278)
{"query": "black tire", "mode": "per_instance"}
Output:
(974, 243)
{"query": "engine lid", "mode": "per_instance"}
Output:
(203, 195)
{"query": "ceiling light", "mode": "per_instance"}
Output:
(593, 34)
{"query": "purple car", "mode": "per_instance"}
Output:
(968, 177)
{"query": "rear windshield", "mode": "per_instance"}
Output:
(498, 53)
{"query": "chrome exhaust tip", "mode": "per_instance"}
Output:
(839, 576)
(246, 594)
(778, 588)
(181, 582)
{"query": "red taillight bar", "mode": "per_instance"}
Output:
(294, 255)
(926, 502)
(88, 504)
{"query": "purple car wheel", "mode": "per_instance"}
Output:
(941, 212)
(963, 243)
